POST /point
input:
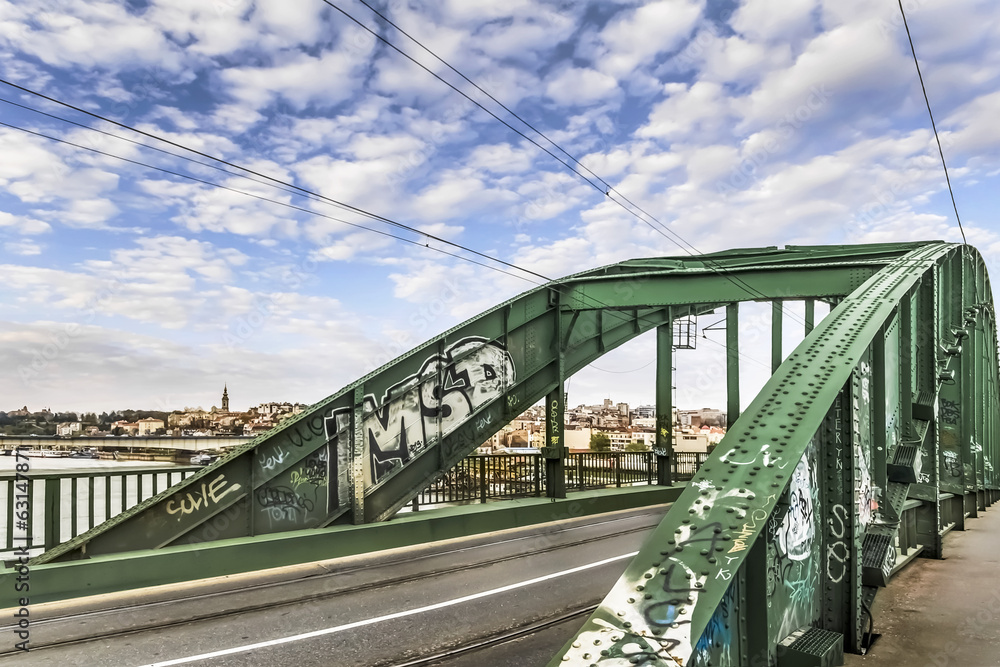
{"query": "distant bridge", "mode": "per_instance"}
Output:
(869, 442)
(188, 443)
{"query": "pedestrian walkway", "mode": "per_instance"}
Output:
(943, 613)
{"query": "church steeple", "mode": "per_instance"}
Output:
(225, 398)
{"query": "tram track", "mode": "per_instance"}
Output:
(198, 607)
(479, 645)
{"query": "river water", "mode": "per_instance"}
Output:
(110, 483)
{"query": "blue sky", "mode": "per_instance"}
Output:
(764, 122)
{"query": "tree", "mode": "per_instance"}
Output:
(600, 442)
(636, 446)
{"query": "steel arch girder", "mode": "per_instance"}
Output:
(658, 611)
(256, 489)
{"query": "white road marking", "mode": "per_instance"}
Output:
(388, 617)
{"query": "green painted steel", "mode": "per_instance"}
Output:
(368, 449)
(216, 558)
(883, 419)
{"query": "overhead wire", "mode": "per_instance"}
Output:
(682, 243)
(930, 113)
(144, 145)
(277, 181)
(262, 198)
(290, 188)
(284, 186)
(274, 182)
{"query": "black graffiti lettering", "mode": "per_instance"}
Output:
(712, 534)
(949, 411)
(282, 503)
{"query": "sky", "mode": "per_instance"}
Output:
(736, 124)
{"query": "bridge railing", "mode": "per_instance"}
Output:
(482, 478)
(62, 505)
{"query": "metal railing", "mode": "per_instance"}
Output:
(62, 505)
(481, 478)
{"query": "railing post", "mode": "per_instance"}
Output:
(482, 479)
(618, 469)
(52, 509)
(538, 474)
(732, 364)
(579, 471)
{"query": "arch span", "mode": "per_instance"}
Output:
(871, 440)
(366, 450)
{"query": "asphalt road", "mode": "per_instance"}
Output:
(378, 610)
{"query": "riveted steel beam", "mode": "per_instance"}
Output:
(366, 450)
(798, 495)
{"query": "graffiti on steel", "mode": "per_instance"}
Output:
(415, 413)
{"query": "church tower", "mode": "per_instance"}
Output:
(225, 398)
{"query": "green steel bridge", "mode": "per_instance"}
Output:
(871, 440)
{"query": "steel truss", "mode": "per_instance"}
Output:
(872, 439)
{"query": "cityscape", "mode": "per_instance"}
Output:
(608, 426)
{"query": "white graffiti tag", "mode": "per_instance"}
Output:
(797, 530)
(211, 493)
(417, 412)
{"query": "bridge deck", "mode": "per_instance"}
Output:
(943, 612)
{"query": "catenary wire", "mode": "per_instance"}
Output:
(349, 207)
(263, 198)
(300, 189)
(933, 124)
(143, 145)
(324, 198)
(679, 240)
(554, 285)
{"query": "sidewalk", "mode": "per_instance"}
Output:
(943, 613)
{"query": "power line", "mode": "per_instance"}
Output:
(607, 190)
(933, 124)
(275, 183)
(261, 197)
(745, 356)
(302, 190)
(143, 145)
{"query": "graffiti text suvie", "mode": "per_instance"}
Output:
(211, 493)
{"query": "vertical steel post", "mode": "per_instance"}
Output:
(810, 315)
(358, 458)
(482, 479)
(555, 410)
(879, 425)
(664, 401)
(555, 449)
(732, 364)
(52, 509)
(842, 529)
(776, 319)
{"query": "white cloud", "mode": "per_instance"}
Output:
(86, 35)
(700, 111)
(635, 39)
(775, 20)
(23, 225)
(24, 247)
(300, 79)
(500, 159)
(581, 86)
